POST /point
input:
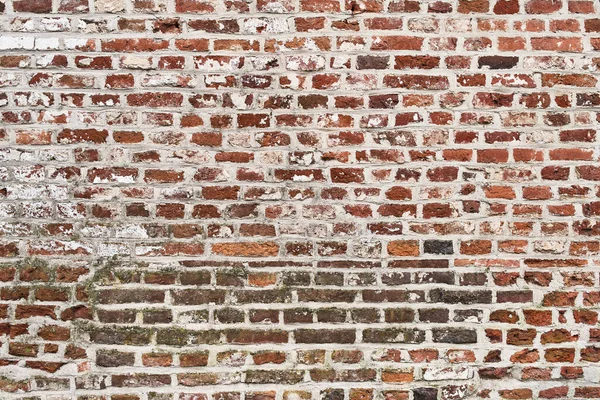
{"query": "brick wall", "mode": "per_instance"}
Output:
(299, 199)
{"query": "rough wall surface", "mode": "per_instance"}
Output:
(299, 199)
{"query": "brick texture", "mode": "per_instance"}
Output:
(299, 199)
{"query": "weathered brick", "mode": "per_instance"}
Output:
(263, 187)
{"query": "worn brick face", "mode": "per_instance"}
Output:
(299, 199)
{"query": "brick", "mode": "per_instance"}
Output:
(557, 44)
(543, 6)
(43, 7)
(242, 249)
(396, 43)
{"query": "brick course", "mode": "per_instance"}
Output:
(299, 199)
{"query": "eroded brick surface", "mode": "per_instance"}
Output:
(299, 199)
